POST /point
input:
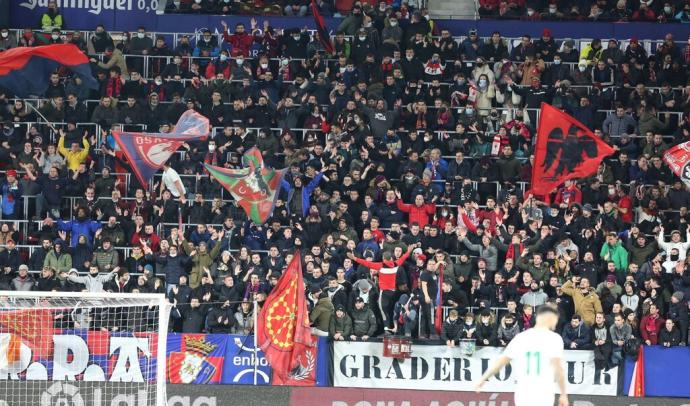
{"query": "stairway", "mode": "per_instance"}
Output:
(452, 9)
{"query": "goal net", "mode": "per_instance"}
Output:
(79, 349)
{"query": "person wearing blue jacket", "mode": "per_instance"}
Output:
(298, 195)
(81, 225)
(577, 335)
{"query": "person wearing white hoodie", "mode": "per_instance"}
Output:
(675, 242)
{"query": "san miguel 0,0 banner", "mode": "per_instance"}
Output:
(436, 367)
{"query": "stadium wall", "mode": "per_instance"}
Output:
(127, 15)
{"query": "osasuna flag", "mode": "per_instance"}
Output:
(637, 383)
(678, 158)
(283, 331)
(254, 187)
(26, 70)
(565, 149)
(147, 152)
(324, 36)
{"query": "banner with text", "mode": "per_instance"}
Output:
(436, 367)
(82, 355)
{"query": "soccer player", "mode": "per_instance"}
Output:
(536, 356)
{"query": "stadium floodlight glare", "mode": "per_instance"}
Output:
(81, 348)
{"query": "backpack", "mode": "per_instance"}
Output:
(632, 347)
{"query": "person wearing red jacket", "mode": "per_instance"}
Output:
(568, 194)
(387, 272)
(240, 41)
(650, 325)
(418, 212)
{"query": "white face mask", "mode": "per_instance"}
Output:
(556, 61)
(296, 37)
(264, 66)
(54, 36)
(582, 68)
(197, 1)
(667, 10)
(159, 82)
(4, 34)
(140, 35)
(211, 148)
(224, 58)
(427, 17)
(362, 38)
(240, 62)
(285, 62)
(482, 83)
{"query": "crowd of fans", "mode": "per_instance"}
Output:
(414, 163)
(599, 10)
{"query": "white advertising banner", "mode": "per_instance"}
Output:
(437, 367)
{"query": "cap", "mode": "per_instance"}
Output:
(679, 296)
(149, 268)
(675, 232)
(633, 40)
(587, 207)
(314, 288)
(611, 278)
(340, 307)
(12, 172)
(473, 31)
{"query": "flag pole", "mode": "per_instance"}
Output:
(256, 340)
(42, 116)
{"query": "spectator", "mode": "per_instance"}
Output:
(576, 334)
(94, 281)
(363, 321)
(52, 18)
(587, 303)
(670, 335)
(450, 330)
(340, 328)
(650, 325)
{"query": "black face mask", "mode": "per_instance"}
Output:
(674, 257)
(509, 325)
(535, 289)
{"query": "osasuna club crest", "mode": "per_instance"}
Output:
(157, 153)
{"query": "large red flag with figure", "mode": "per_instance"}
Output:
(566, 149)
(678, 159)
(324, 36)
(283, 332)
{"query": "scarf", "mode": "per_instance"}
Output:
(511, 250)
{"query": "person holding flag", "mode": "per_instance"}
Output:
(388, 272)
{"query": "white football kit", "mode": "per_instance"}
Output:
(531, 353)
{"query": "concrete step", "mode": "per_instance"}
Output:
(441, 9)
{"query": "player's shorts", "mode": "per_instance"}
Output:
(534, 397)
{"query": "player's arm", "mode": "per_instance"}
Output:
(493, 370)
(557, 365)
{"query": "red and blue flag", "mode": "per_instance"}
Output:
(26, 71)
(324, 36)
(147, 152)
(196, 358)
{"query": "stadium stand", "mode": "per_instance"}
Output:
(425, 140)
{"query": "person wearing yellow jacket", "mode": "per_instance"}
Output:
(585, 298)
(74, 156)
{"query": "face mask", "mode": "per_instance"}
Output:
(197, 1)
(556, 61)
(394, 23)
(211, 148)
(444, 213)
(427, 17)
(141, 35)
(469, 111)
(509, 325)
(582, 68)
(296, 37)
(674, 257)
(612, 191)
(535, 289)
(177, 61)
(552, 10)
(285, 62)
(362, 38)
(224, 58)
(480, 64)
(159, 82)
(667, 10)
(530, 12)
(460, 81)
(482, 83)
(4, 34)
(240, 62)
(264, 66)
(408, 57)
(54, 36)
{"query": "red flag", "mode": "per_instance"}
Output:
(678, 158)
(324, 36)
(283, 332)
(31, 327)
(637, 384)
(438, 317)
(566, 149)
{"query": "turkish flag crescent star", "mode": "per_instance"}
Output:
(283, 332)
(565, 149)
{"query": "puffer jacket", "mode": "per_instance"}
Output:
(105, 260)
(363, 322)
(342, 325)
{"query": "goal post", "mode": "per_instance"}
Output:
(82, 348)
